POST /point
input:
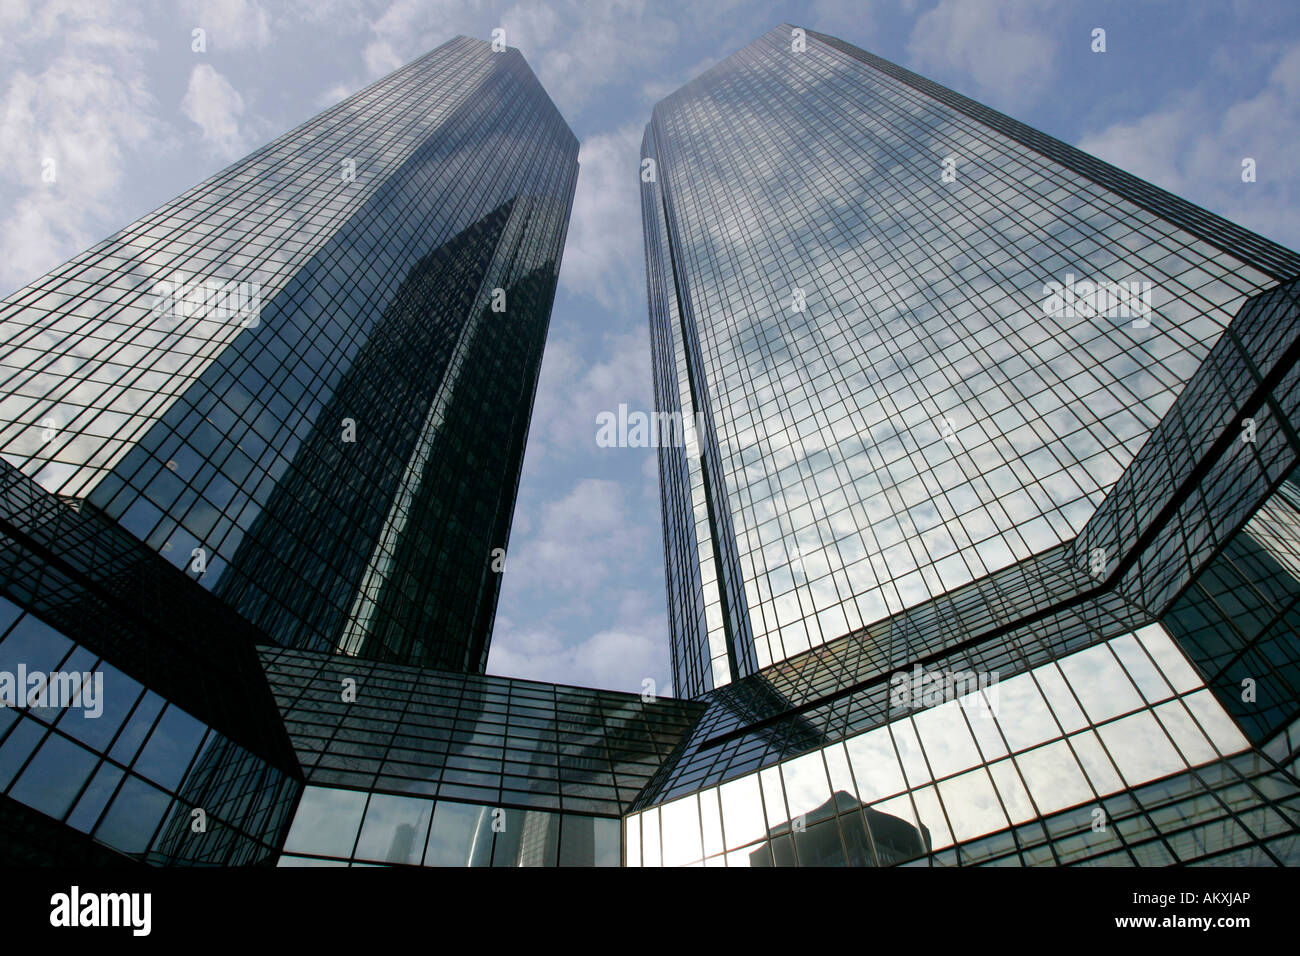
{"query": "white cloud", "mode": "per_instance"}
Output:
(659, 87)
(231, 24)
(574, 389)
(534, 25)
(603, 248)
(346, 17)
(579, 48)
(842, 18)
(216, 107)
(86, 107)
(336, 93)
(630, 645)
(581, 540)
(584, 566)
(1001, 44)
(617, 658)
(380, 58)
(410, 28)
(1193, 146)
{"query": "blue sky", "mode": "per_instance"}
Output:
(133, 116)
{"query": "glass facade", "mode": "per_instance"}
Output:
(288, 409)
(923, 463)
(892, 411)
(420, 767)
(1070, 733)
(309, 440)
(1239, 621)
(130, 770)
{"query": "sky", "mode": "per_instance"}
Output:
(134, 116)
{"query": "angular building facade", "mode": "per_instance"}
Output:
(984, 550)
(432, 768)
(278, 380)
(287, 411)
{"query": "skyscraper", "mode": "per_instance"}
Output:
(287, 410)
(988, 532)
(278, 380)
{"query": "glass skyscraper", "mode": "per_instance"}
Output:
(278, 380)
(984, 549)
(287, 410)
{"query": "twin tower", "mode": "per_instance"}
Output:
(953, 565)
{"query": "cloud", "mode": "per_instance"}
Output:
(579, 48)
(617, 658)
(584, 565)
(534, 24)
(1193, 146)
(216, 107)
(574, 388)
(231, 24)
(87, 108)
(842, 18)
(346, 17)
(581, 541)
(657, 88)
(380, 58)
(1000, 44)
(603, 248)
(410, 28)
(335, 94)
